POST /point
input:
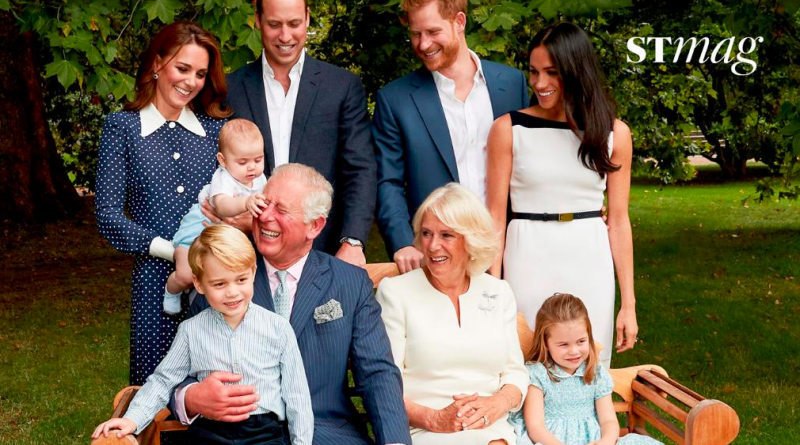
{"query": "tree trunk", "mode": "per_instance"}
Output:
(33, 182)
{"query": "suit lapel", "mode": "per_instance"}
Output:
(426, 99)
(262, 295)
(497, 86)
(254, 86)
(306, 94)
(310, 291)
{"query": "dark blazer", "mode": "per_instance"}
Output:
(413, 147)
(330, 132)
(358, 336)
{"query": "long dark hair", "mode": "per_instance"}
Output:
(590, 112)
(166, 43)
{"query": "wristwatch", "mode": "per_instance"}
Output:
(352, 241)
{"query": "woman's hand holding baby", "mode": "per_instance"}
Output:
(121, 425)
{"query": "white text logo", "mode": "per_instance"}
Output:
(722, 52)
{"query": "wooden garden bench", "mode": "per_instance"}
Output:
(648, 398)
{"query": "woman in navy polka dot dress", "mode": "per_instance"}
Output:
(155, 157)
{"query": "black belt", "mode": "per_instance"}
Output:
(560, 217)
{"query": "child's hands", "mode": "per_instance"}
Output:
(254, 204)
(123, 425)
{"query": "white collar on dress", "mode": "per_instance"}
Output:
(561, 374)
(152, 120)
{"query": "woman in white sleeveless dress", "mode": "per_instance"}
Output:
(555, 160)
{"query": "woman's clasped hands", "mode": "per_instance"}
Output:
(468, 412)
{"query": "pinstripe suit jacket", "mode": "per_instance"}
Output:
(358, 336)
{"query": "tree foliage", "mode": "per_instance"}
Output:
(739, 116)
(91, 48)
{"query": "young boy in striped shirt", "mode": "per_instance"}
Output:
(232, 335)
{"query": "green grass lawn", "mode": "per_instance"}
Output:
(717, 284)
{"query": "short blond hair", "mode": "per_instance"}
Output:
(458, 208)
(448, 9)
(317, 203)
(227, 244)
(238, 132)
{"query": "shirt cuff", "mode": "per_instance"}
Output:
(161, 248)
(180, 405)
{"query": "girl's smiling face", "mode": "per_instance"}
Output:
(568, 344)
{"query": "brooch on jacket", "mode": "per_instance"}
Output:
(488, 303)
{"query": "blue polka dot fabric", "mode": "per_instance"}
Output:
(144, 187)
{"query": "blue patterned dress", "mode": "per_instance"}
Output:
(155, 179)
(569, 407)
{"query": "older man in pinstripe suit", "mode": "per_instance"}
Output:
(334, 315)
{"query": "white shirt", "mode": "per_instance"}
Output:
(280, 106)
(469, 123)
(223, 183)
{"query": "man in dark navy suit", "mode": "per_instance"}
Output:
(312, 113)
(332, 309)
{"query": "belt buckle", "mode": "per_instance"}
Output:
(565, 217)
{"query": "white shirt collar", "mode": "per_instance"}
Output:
(297, 69)
(152, 120)
(443, 81)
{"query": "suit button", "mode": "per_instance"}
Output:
(180, 189)
(172, 125)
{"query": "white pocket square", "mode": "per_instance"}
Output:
(329, 311)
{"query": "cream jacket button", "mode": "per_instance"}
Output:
(172, 125)
(176, 156)
(180, 189)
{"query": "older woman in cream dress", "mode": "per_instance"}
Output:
(453, 328)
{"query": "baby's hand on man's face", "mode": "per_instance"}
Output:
(255, 203)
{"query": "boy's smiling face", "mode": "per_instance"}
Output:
(227, 291)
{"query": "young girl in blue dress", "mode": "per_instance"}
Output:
(569, 397)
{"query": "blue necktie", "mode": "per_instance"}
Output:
(281, 296)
